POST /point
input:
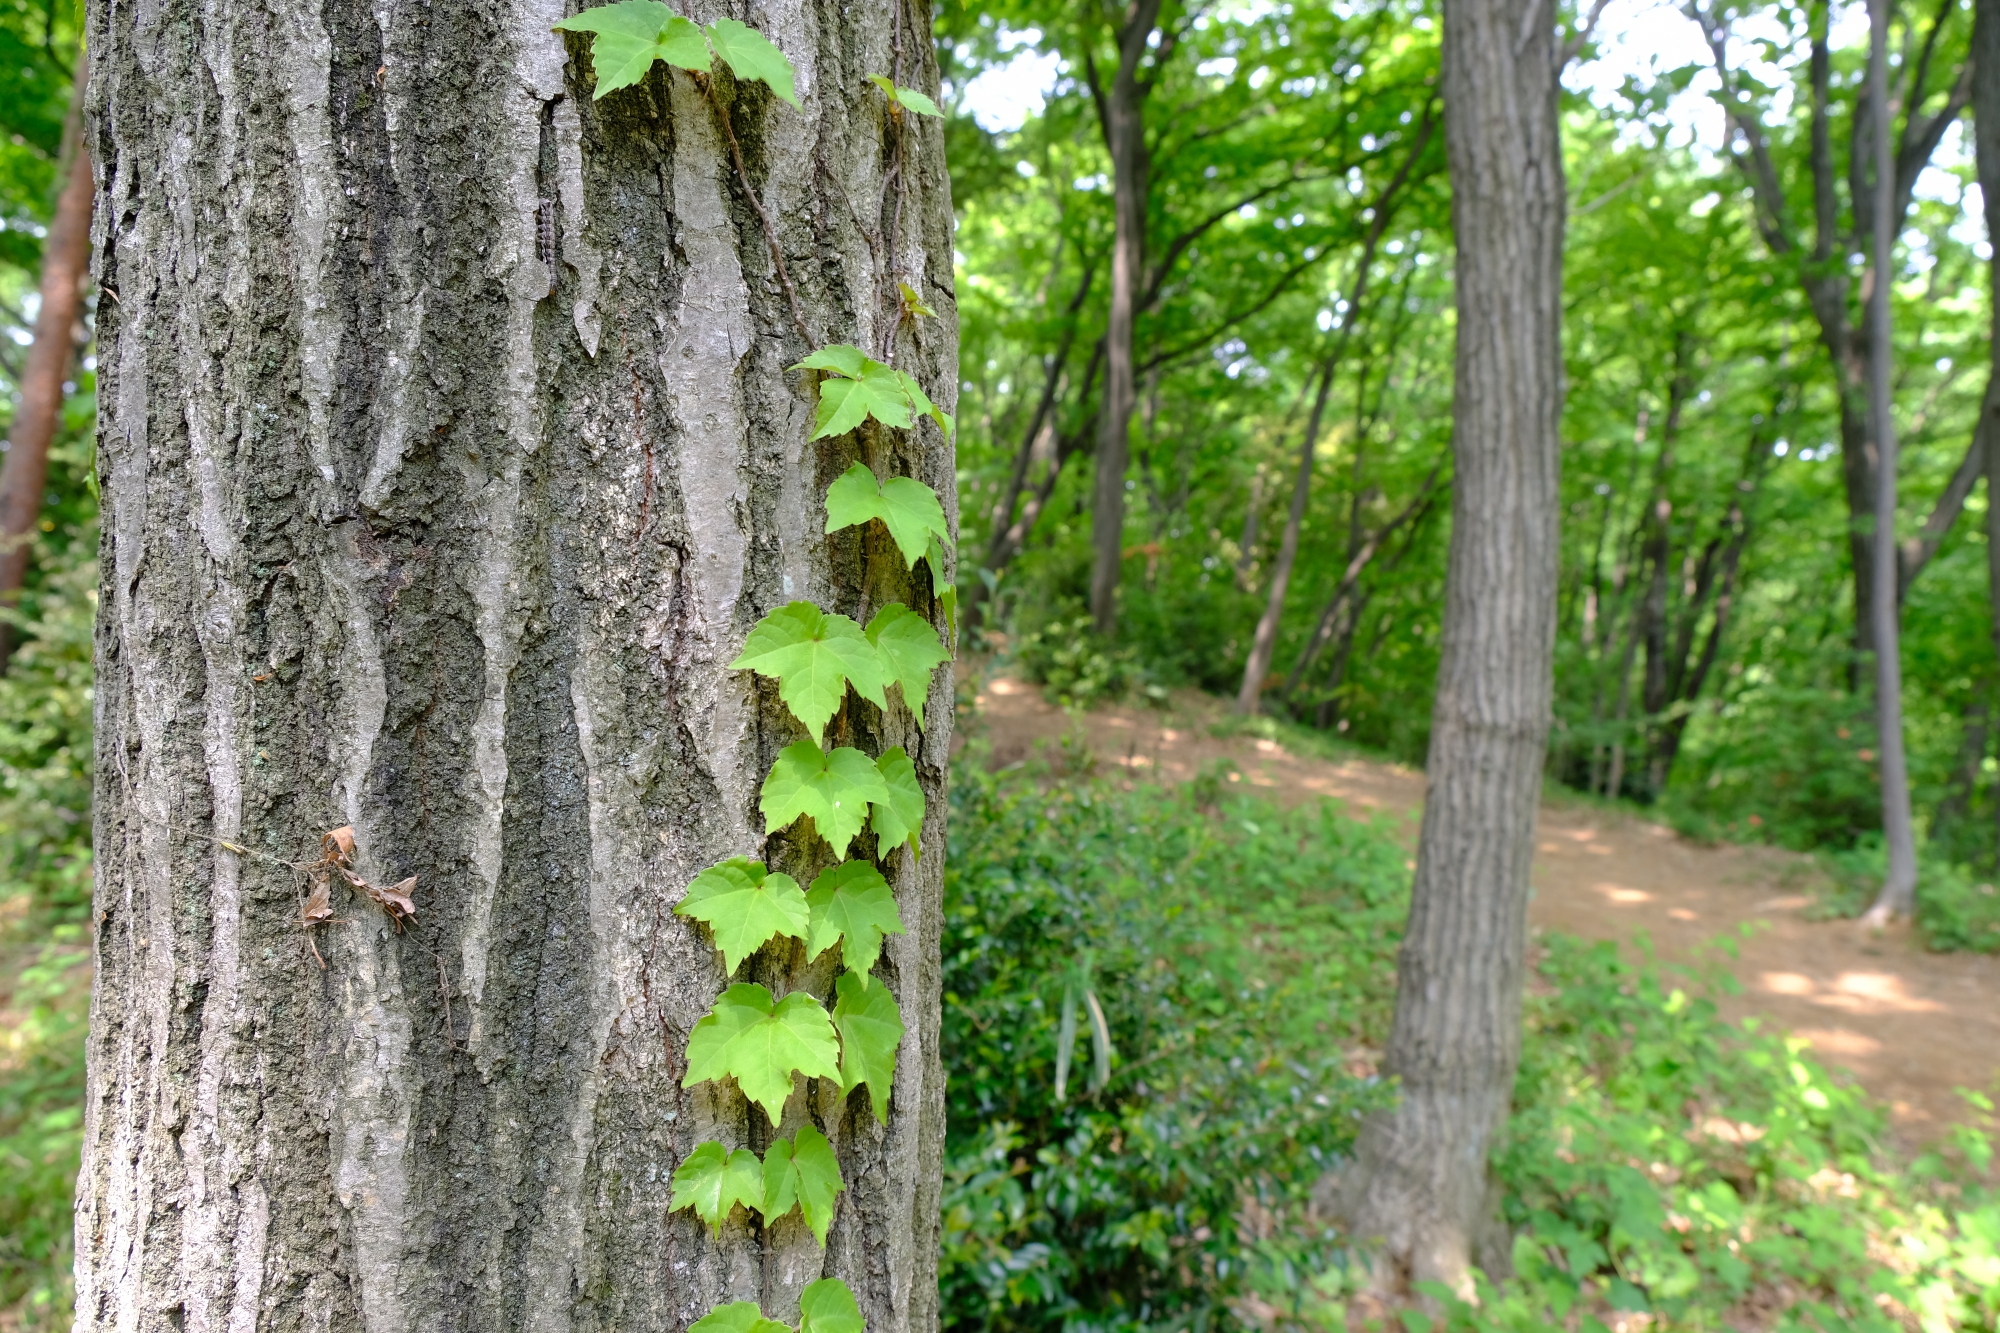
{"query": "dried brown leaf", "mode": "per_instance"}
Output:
(319, 905)
(396, 898)
(339, 844)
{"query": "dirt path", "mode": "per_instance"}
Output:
(1911, 1025)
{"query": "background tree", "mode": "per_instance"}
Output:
(449, 452)
(1899, 884)
(1420, 1176)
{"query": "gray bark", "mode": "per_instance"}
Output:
(1419, 1183)
(1121, 109)
(1899, 884)
(398, 537)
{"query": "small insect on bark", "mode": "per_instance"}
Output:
(545, 238)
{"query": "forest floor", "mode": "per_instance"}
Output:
(1912, 1026)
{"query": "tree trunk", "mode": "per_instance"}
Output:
(1986, 151)
(399, 538)
(1122, 110)
(1899, 884)
(65, 266)
(1265, 641)
(1420, 1178)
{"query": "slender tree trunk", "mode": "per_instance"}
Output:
(1420, 1180)
(1123, 112)
(1266, 639)
(1986, 151)
(65, 267)
(1246, 544)
(1899, 885)
(1614, 780)
(1004, 534)
(398, 537)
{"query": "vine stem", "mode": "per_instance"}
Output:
(770, 230)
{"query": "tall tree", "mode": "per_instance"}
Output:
(65, 267)
(450, 452)
(1899, 885)
(1121, 110)
(1930, 92)
(1419, 1181)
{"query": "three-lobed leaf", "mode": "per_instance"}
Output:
(814, 656)
(626, 38)
(853, 906)
(713, 1180)
(907, 507)
(909, 651)
(750, 55)
(802, 1171)
(861, 387)
(873, 390)
(737, 1317)
(900, 818)
(745, 907)
(761, 1042)
(827, 1306)
(871, 1029)
(833, 790)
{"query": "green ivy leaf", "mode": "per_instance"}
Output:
(629, 36)
(827, 1306)
(906, 97)
(840, 358)
(834, 790)
(913, 304)
(860, 388)
(739, 1317)
(761, 1043)
(899, 819)
(750, 55)
(948, 599)
(712, 1181)
(851, 902)
(923, 404)
(910, 651)
(907, 507)
(802, 1172)
(814, 657)
(745, 907)
(871, 1028)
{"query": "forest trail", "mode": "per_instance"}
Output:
(1912, 1026)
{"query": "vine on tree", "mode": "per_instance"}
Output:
(759, 1041)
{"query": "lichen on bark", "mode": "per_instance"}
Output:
(399, 537)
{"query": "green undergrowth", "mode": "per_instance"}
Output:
(45, 700)
(1660, 1160)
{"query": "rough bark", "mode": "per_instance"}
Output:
(1121, 109)
(1986, 153)
(398, 537)
(24, 475)
(1899, 884)
(1419, 1182)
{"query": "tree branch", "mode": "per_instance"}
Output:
(1914, 553)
